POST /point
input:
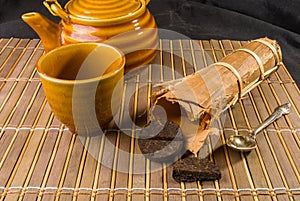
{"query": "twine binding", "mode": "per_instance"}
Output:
(258, 60)
(235, 72)
(278, 57)
(263, 73)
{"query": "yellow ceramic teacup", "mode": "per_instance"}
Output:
(83, 84)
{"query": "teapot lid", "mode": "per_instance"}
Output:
(102, 9)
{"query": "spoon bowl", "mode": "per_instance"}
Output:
(241, 142)
(247, 142)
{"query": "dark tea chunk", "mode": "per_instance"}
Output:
(161, 150)
(162, 141)
(166, 130)
(170, 131)
(195, 169)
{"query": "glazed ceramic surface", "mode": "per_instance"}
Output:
(126, 24)
(83, 84)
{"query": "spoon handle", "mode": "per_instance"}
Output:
(278, 112)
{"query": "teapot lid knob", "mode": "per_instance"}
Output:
(55, 9)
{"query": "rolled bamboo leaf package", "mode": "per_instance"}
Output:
(193, 102)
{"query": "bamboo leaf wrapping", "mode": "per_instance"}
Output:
(194, 101)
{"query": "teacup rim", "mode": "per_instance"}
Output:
(66, 81)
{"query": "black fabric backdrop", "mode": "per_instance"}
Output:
(197, 19)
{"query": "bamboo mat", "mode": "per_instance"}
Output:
(41, 160)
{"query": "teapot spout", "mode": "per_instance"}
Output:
(48, 31)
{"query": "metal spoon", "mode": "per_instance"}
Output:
(247, 143)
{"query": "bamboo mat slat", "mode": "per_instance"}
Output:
(41, 160)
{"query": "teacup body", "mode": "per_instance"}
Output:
(83, 84)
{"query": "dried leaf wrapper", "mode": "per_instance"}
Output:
(196, 100)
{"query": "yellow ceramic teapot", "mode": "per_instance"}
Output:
(126, 24)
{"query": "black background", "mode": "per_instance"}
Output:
(197, 19)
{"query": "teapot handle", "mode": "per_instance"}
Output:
(55, 9)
